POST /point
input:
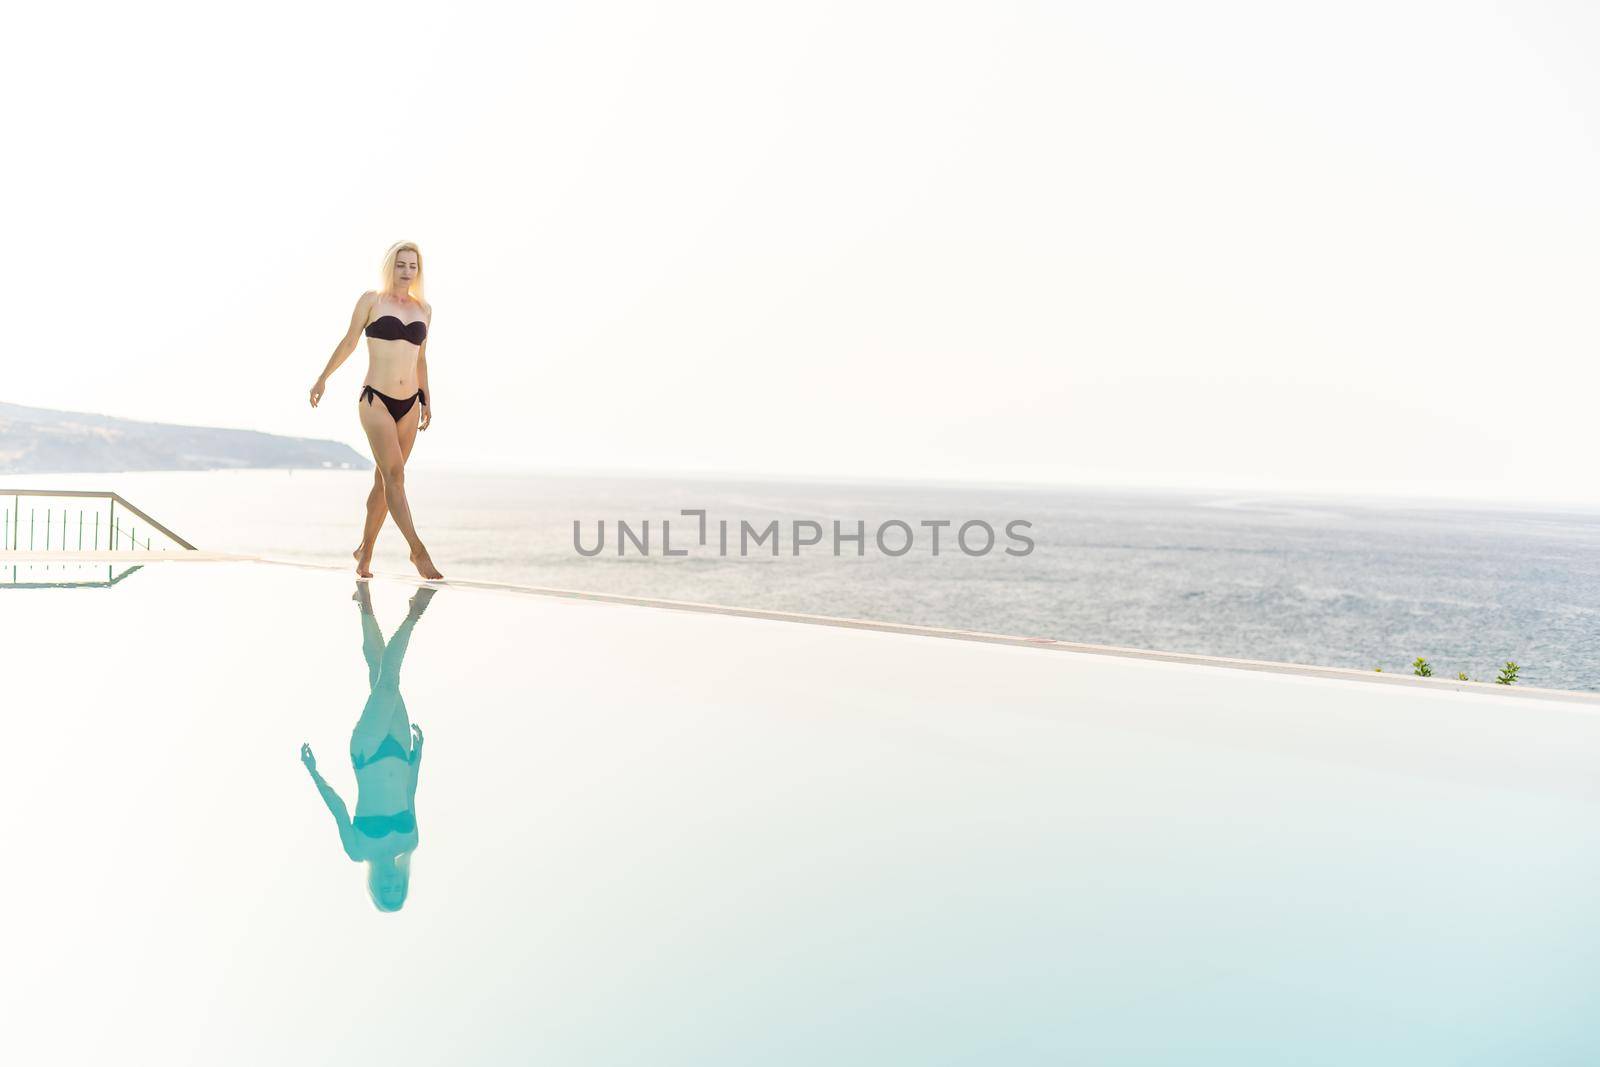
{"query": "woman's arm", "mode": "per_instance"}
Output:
(422, 373)
(416, 766)
(347, 345)
(335, 803)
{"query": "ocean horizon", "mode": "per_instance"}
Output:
(1302, 579)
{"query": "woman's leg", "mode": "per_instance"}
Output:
(400, 723)
(378, 504)
(371, 635)
(377, 511)
(376, 714)
(385, 709)
(383, 433)
(394, 653)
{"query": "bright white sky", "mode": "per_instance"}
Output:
(1346, 245)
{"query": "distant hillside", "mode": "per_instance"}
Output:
(40, 441)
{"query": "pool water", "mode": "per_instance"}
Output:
(650, 836)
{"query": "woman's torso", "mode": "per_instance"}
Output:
(383, 786)
(392, 364)
(383, 804)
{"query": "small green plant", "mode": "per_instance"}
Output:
(1421, 667)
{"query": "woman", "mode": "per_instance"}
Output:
(386, 752)
(395, 320)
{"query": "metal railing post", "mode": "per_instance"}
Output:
(11, 523)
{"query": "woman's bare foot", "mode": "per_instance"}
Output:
(424, 565)
(363, 557)
(362, 597)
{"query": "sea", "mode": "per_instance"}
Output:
(1361, 583)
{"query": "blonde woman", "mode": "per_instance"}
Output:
(395, 320)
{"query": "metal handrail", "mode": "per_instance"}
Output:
(112, 579)
(113, 497)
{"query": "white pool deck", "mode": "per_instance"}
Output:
(655, 832)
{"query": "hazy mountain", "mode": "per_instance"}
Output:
(40, 441)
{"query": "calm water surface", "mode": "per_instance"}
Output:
(1358, 584)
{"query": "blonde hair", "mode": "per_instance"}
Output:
(386, 277)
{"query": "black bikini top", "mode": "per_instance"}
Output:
(389, 328)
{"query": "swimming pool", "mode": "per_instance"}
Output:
(658, 836)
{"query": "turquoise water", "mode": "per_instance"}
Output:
(650, 836)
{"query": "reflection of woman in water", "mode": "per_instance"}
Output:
(386, 751)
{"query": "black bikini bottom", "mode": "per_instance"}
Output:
(397, 408)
